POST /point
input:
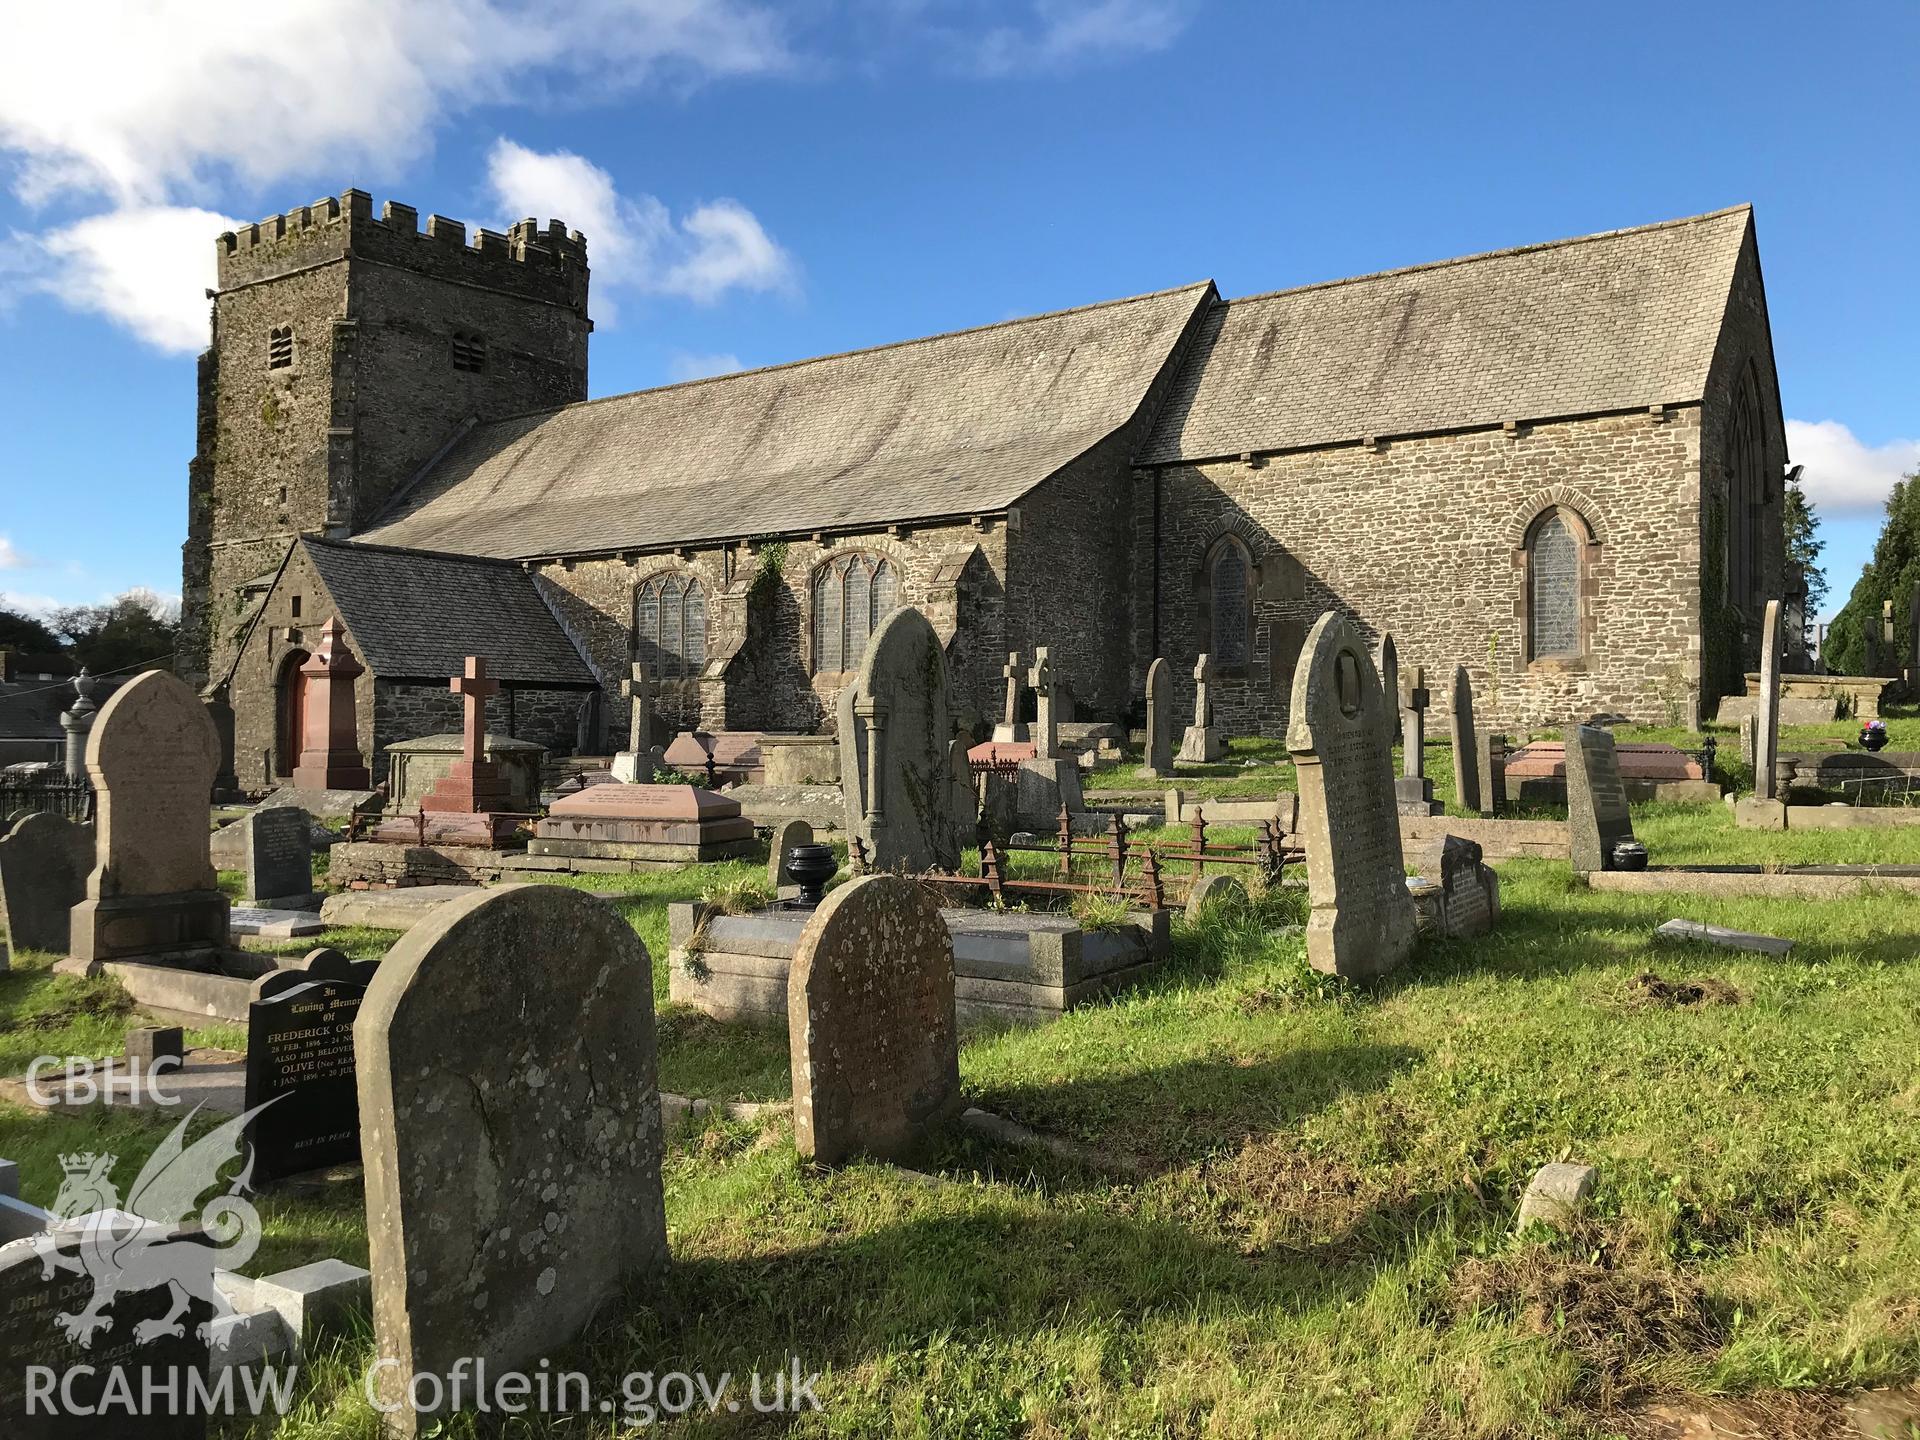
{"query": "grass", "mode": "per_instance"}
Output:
(1300, 1222)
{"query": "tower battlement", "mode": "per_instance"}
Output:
(549, 263)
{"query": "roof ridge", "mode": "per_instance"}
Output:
(350, 543)
(1745, 207)
(849, 354)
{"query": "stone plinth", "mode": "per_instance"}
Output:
(330, 758)
(417, 766)
(666, 824)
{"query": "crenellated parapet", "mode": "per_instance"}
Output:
(547, 263)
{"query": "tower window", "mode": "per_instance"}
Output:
(469, 352)
(280, 348)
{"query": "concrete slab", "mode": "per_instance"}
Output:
(216, 1079)
(400, 909)
(1683, 930)
(274, 924)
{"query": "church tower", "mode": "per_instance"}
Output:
(348, 352)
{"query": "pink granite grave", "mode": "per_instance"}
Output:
(1547, 760)
(657, 824)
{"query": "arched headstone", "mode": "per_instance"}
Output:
(895, 771)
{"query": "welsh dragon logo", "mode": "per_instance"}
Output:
(130, 1247)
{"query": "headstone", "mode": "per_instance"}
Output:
(1203, 743)
(330, 755)
(641, 739)
(1011, 730)
(786, 835)
(1159, 718)
(1341, 738)
(44, 863)
(219, 702)
(1457, 895)
(966, 795)
(152, 892)
(1412, 791)
(148, 1045)
(1046, 722)
(1217, 889)
(277, 845)
(896, 771)
(1767, 733)
(103, 1381)
(1597, 813)
(1749, 738)
(1889, 645)
(510, 1124)
(870, 1023)
(1466, 767)
(300, 1063)
(1386, 659)
(1491, 766)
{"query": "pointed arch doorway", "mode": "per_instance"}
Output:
(290, 714)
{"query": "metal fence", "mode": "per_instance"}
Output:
(51, 791)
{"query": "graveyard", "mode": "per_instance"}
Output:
(1013, 1133)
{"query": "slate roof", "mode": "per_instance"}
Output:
(1616, 321)
(956, 424)
(415, 614)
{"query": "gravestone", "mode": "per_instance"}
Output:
(1889, 643)
(300, 1061)
(645, 825)
(1361, 920)
(277, 846)
(870, 1022)
(1597, 813)
(1011, 730)
(1386, 659)
(1046, 723)
(152, 892)
(896, 771)
(1749, 738)
(114, 1371)
(77, 721)
(1466, 759)
(966, 795)
(786, 835)
(1767, 731)
(510, 1126)
(1458, 894)
(1159, 718)
(44, 863)
(1413, 792)
(330, 758)
(643, 755)
(1491, 765)
(1203, 743)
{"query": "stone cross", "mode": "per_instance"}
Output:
(1766, 748)
(474, 688)
(1046, 733)
(639, 689)
(1414, 699)
(1015, 672)
(1202, 683)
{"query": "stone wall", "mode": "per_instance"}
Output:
(408, 710)
(1422, 536)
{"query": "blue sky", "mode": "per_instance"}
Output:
(761, 182)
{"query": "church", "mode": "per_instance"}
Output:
(1560, 465)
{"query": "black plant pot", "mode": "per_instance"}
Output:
(1873, 739)
(812, 866)
(1629, 855)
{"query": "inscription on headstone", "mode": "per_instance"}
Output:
(300, 1061)
(278, 848)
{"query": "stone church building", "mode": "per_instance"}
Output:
(1561, 465)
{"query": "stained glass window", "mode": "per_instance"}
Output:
(1230, 614)
(1553, 601)
(670, 627)
(851, 595)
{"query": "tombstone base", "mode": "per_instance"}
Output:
(1019, 734)
(448, 827)
(469, 787)
(637, 767)
(186, 927)
(1413, 795)
(218, 988)
(1202, 745)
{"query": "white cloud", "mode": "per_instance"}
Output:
(147, 267)
(1843, 475)
(633, 241)
(687, 366)
(1063, 34)
(10, 556)
(40, 607)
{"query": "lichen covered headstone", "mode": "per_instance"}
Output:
(44, 863)
(510, 1128)
(895, 729)
(1339, 732)
(1597, 814)
(870, 1022)
(1159, 718)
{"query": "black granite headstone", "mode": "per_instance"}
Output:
(53, 1388)
(300, 1056)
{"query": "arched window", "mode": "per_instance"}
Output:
(670, 626)
(851, 595)
(1554, 562)
(1229, 603)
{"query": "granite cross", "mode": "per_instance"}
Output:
(474, 687)
(1414, 699)
(639, 689)
(1044, 727)
(1202, 679)
(1015, 672)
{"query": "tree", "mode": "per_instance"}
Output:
(134, 629)
(1889, 575)
(1801, 522)
(24, 632)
